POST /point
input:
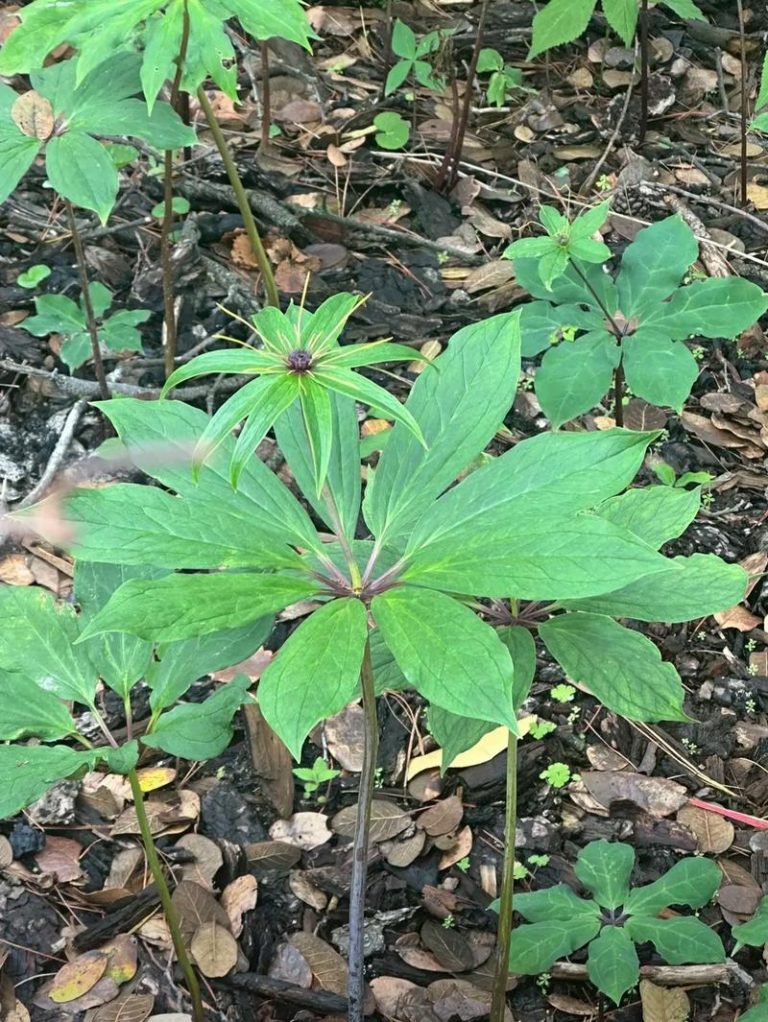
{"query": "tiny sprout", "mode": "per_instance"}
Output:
(563, 693)
(449, 922)
(603, 183)
(314, 776)
(538, 860)
(520, 872)
(750, 645)
(750, 705)
(557, 775)
(463, 864)
(753, 669)
(543, 981)
(690, 745)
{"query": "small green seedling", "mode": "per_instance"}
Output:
(34, 275)
(666, 475)
(503, 78)
(392, 130)
(562, 21)
(61, 315)
(557, 775)
(413, 53)
(179, 204)
(312, 777)
(538, 860)
(541, 728)
(615, 919)
(632, 329)
(562, 693)
(463, 864)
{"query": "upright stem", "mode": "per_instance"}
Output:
(499, 999)
(242, 200)
(356, 993)
(90, 317)
(744, 102)
(643, 71)
(449, 170)
(169, 908)
(167, 226)
(618, 394)
(266, 97)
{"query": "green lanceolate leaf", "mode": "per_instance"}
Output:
(199, 731)
(654, 264)
(657, 369)
(326, 650)
(317, 414)
(132, 524)
(718, 307)
(755, 931)
(387, 675)
(80, 170)
(573, 377)
(522, 649)
(121, 659)
(613, 965)
(679, 941)
(37, 641)
(358, 387)
(604, 868)
(160, 437)
(238, 360)
(690, 587)
(598, 652)
(269, 19)
(537, 946)
(182, 663)
(186, 606)
(30, 711)
(447, 653)
(621, 15)
(691, 882)
(558, 22)
(343, 476)
(455, 734)
(28, 771)
(558, 902)
(655, 514)
(459, 408)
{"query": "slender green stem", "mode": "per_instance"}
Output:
(356, 992)
(171, 916)
(90, 316)
(167, 227)
(499, 1000)
(242, 200)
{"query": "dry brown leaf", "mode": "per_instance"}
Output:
(389, 991)
(656, 795)
(738, 902)
(442, 818)
(263, 856)
(404, 850)
(328, 967)
(6, 852)
(458, 998)
(238, 898)
(490, 745)
(304, 830)
(122, 961)
(737, 617)
(130, 1008)
(409, 948)
(457, 851)
(15, 570)
(214, 949)
(60, 858)
(713, 832)
(78, 976)
(640, 415)
(758, 195)
(33, 115)
(196, 906)
(290, 965)
(208, 859)
(448, 946)
(663, 1004)
(344, 732)
(571, 1005)
(387, 821)
(101, 992)
(306, 891)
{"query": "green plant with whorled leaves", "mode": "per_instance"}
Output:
(597, 331)
(64, 119)
(60, 314)
(546, 536)
(616, 918)
(414, 54)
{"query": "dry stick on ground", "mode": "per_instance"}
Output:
(587, 186)
(266, 97)
(57, 456)
(90, 317)
(167, 225)
(663, 975)
(744, 101)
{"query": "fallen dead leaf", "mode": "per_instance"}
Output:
(442, 818)
(448, 946)
(713, 832)
(208, 859)
(214, 949)
(327, 965)
(656, 795)
(239, 897)
(304, 830)
(663, 1004)
(78, 976)
(387, 821)
(459, 850)
(60, 858)
(196, 906)
(306, 891)
(264, 856)
(128, 1008)
(389, 991)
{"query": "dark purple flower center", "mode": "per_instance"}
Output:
(299, 361)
